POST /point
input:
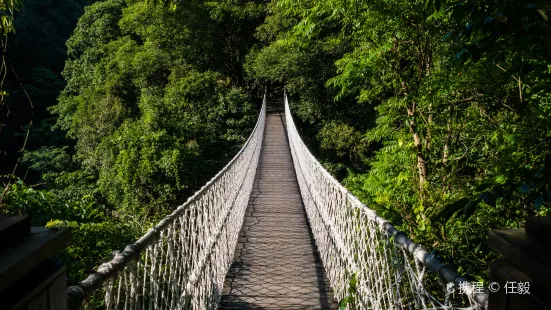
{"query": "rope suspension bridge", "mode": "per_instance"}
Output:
(274, 230)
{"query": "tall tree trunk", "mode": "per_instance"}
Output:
(429, 125)
(421, 163)
(446, 144)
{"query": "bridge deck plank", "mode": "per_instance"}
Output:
(276, 262)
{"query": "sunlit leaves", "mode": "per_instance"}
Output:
(7, 11)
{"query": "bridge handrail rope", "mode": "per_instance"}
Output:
(183, 260)
(369, 263)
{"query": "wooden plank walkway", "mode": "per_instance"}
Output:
(276, 263)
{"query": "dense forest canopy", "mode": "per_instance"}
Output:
(434, 113)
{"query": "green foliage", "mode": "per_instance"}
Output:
(153, 105)
(90, 241)
(148, 119)
(93, 234)
(438, 109)
(44, 206)
(350, 300)
(48, 159)
(8, 10)
(345, 141)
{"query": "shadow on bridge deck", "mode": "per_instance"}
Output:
(276, 263)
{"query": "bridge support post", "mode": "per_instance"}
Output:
(28, 278)
(522, 279)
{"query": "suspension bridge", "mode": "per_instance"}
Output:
(274, 230)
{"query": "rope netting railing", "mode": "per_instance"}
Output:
(181, 263)
(369, 263)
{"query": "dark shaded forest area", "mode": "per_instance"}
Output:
(35, 58)
(434, 113)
